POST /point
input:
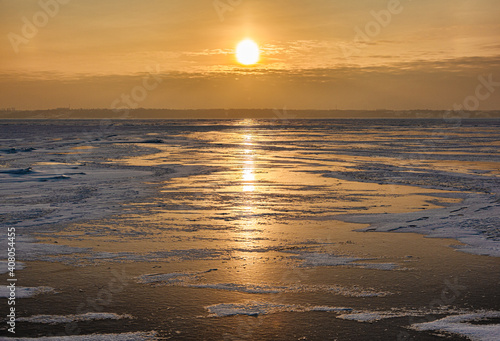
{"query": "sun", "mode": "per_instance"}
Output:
(247, 52)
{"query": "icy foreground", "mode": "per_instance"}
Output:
(218, 221)
(462, 325)
(24, 292)
(95, 337)
(53, 181)
(56, 175)
(58, 319)
(475, 222)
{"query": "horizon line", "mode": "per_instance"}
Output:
(117, 110)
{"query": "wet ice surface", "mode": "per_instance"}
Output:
(248, 198)
(23, 292)
(4, 266)
(475, 222)
(193, 280)
(211, 176)
(140, 336)
(462, 325)
(56, 319)
(262, 308)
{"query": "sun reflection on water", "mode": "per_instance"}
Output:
(248, 169)
(248, 181)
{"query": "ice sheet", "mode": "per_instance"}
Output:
(25, 292)
(263, 308)
(193, 280)
(138, 336)
(4, 266)
(464, 325)
(58, 319)
(474, 222)
(311, 259)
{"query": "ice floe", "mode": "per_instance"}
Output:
(263, 308)
(311, 259)
(374, 316)
(25, 292)
(58, 319)
(136, 336)
(474, 222)
(273, 289)
(4, 266)
(168, 278)
(473, 326)
(30, 250)
(192, 280)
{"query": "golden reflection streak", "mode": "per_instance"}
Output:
(248, 186)
(248, 175)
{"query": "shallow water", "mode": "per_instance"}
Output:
(244, 230)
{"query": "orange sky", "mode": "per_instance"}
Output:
(318, 54)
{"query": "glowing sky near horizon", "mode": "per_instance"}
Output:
(319, 54)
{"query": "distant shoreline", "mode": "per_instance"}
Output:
(271, 114)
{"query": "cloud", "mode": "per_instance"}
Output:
(415, 84)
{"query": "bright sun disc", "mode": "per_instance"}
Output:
(247, 52)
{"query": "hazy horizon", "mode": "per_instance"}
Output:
(283, 115)
(366, 55)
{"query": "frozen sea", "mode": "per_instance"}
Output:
(252, 229)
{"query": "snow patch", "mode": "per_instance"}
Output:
(57, 319)
(5, 264)
(311, 259)
(192, 280)
(264, 308)
(374, 316)
(272, 289)
(169, 278)
(460, 325)
(247, 288)
(25, 292)
(474, 222)
(138, 336)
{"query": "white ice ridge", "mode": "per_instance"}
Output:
(454, 324)
(461, 325)
(271, 289)
(4, 265)
(57, 319)
(311, 259)
(169, 278)
(190, 280)
(25, 292)
(374, 316)
(138, 336)
(263, 308)
(474, 222)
